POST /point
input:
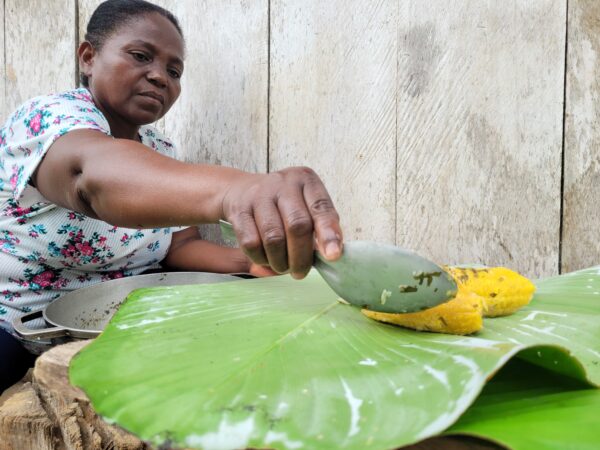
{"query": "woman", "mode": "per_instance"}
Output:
(90, 192)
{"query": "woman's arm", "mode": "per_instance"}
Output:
(276, 216)
(188, 251)
(127, 184)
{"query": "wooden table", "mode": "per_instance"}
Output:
(44, 412)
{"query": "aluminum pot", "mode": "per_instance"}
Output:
(85, 312)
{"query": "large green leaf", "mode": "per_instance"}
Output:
(281, 363)
(525, 407)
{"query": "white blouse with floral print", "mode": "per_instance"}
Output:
(47, 250)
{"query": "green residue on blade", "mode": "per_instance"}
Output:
(429, 276)
(406, 289)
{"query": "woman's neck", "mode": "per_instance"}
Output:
(119, 128)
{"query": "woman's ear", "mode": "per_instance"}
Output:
(86, 54)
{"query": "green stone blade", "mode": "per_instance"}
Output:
(380, 277)
(386, 278)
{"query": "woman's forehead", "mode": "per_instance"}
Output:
(153, 29)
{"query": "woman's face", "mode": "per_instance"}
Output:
(135, 77)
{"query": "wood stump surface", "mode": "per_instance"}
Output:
(44, 412)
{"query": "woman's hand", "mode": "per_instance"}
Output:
(278, 216)
(261, 271)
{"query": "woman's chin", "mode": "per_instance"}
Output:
(145, 117)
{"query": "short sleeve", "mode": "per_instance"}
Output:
(35, 126)
(157, 141)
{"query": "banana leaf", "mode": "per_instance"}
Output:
(527, 407)
(283, 364)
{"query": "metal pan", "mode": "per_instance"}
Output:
(84, 313)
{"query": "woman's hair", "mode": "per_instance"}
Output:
(112, 14)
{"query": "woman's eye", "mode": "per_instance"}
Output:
(174, 74)
(140, 56)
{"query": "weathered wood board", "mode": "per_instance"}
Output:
(85, 9)
(332, 104)
(480, 88)
(221, 116)
(581, 219)
(39, 45)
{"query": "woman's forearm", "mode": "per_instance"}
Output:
(195, 254)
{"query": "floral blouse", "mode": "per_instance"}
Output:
(47, 250)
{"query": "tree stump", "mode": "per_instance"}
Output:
(44, 412)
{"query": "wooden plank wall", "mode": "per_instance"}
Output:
(436, 125)
(332, 104)
(480, 91)
(38, 62)
(581, 219)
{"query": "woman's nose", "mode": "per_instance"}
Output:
(157, 76)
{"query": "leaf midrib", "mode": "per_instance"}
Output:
(257, 357)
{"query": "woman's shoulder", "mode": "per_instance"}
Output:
(50, 115)
(32, 129)
(66, 104)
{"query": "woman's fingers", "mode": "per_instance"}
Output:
(248, 237)
(277, 217)
(261, 271)
(326, 221)
(299, 233)
(272, 234)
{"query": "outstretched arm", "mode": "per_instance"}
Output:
(277, 216)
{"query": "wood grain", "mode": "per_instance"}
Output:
(39, 47)
(24, 423)
(85, 10)
(480, 90)
(221, 116)
(332, 104)
(47, 413)
(581, 232)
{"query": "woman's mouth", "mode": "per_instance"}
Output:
(154, 96)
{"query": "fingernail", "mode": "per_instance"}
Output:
(332, 249)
